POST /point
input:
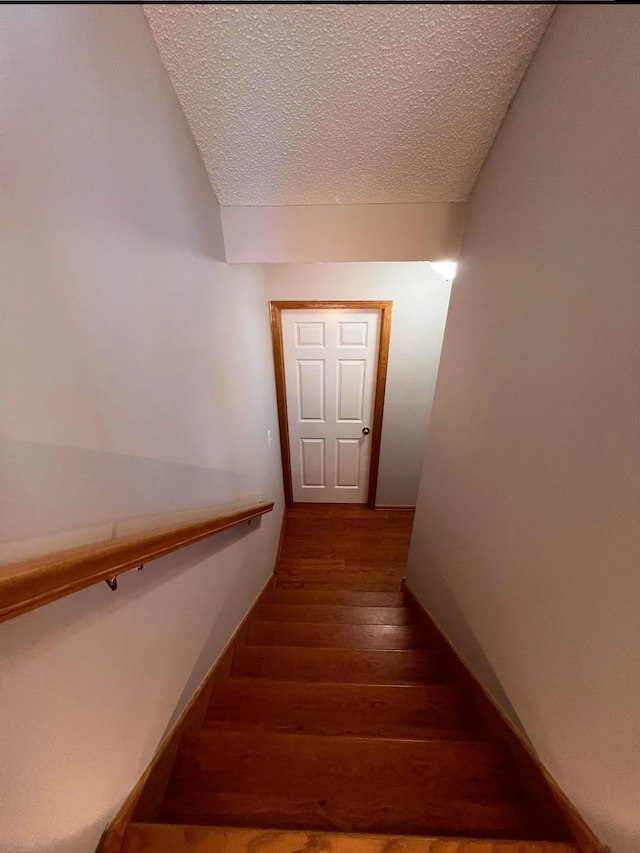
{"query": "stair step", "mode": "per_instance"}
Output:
(442, 817)
(337, 597)
(340, 709)
(360, 543)
(337, 568)
(337, 636)
(429, 817)
(344, 666)
(345, 512)
(326, 563)
(336, 614)
(365, 579)
(351, 784)
(339, 713)
(316, 765)
(172, 838)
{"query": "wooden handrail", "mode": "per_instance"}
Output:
(29, 584)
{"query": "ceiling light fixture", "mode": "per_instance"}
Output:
(447, 269)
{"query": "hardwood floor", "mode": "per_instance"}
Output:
(347, 540)
(339, 666)
(340, 714)
(370, 710)
(156, 838)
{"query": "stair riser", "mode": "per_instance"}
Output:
(339, 666)
(312, 766)
(427, 818)
(331, 709)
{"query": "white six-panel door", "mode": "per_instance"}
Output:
(330, 360)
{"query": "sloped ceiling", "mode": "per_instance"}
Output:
(299, 105)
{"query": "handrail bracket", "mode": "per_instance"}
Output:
(112, 583)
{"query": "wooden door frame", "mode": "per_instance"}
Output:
(385, 308)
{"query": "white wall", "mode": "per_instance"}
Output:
(317, 233)
(527, 539)
(135, 378)
(420, 299)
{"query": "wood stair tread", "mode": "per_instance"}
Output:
(372, 580)
(335, 613)
(367, 666)
(354, 584)
(340, 709)
(184, 838)
(336, 597)
(341, 568)
(337, 636)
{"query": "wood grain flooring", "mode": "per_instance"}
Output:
(337, 636)
(240, 762)
(475, 819)
(345, 597)
(339, 666)
(349, 538)
(341, 714)
(336, 614)
(309, 575)
(158, 838)
(367, 710)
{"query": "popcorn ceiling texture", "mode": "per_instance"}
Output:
(345, 104)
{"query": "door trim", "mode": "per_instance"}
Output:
(385, 309)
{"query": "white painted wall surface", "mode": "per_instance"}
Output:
(328, 233)
(527, 539)
(135, 378)
(420, 300)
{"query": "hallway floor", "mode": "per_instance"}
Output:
(349, 546)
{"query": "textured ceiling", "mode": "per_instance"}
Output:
(347, 103)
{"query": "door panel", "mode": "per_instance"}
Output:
(350, 390)
(312, 467)
(310, 334)
(352, 334)
(330, 359)
(311, 389)
(347, 463)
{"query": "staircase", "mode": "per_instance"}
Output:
(341, 716)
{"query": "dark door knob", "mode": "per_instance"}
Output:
(365, 430)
